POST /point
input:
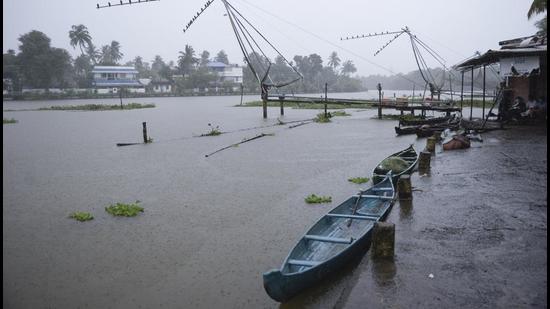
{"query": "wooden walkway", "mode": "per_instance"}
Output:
(438, 106)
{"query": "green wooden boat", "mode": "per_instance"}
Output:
(339, 236)
(408, 155)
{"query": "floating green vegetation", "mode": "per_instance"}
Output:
(314, 199)
(214, 131)
(359, 180)
(321, 118)
(97, 107)
(6, 121)
(81, 216)
(339, 113)
(125, 210)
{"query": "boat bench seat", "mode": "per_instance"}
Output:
(375, 196)
(303, 263)
(360, 217)
(337, 240)
(382, 189)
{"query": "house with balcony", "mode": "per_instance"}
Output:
(109, 79)
(229, 75)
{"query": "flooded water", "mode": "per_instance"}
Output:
(212, 225)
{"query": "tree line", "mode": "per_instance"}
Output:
(39, 65)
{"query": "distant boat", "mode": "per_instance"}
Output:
(340, 235)
(410, 158)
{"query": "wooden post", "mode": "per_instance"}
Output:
(281, 100)
(404, 187)
(424, 162)
(383, 240)
(483, 111)
(412, 100)
(145, 133)
(379, 101)
(120, 93)
(461, 93)
(430, 144)
(242, 92)
(472, 95)
(326, 91)
(264, 96)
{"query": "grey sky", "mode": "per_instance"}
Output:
(456, 29)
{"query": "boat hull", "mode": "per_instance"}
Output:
(408, 152)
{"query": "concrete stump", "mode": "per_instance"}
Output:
(424, 162)
(430, 144)
(404, 188)
(383, 240)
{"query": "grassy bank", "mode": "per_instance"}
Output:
(304, 105)
(7, 121)
(97, 107)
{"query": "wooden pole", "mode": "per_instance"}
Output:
(264, 99)
(145, 133)
(424, 162)
(461, 93)
(451, 87)
(483, 110)
(430, 144)
(472, 95)
(242, 92)
(326, 98)
(404, 187)
(281, 100)
(412, 100)
(379, 101)
(120, 93)
(383, 240)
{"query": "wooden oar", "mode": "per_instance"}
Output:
(233, 145)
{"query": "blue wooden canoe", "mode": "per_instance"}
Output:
(339, 236)
(409, 155)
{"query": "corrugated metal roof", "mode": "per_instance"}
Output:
(492, 56)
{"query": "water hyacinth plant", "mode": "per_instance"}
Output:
(359, 180)
(124, 210)
(314, 199)
(81, 216)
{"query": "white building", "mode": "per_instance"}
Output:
(109, 79)
(227, 73)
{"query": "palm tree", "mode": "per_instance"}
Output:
(93, 53)
(80, 36)
(348, 67)
(537, 7)
(334, 60)
(187, 59)
(116, 55)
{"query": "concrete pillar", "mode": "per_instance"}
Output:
(383, 240)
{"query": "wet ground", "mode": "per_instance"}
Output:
(213, 225)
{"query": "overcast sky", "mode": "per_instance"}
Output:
(455, 29)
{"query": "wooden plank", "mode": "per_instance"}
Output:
(375, 196)
(303, 263)
(361, 217)
(336, 240)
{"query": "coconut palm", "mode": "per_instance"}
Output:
(187, 60)
(334, 60)
(116, 55)
(93, 53)
(538, 6)
(348, 67)
(80, 37)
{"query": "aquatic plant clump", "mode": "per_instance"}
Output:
(359, 180)
(321, 118)
(314, 199)
(6, 121)
(81, 216)
(395, 164)
(124, 210)
(97, 107)
(214, 131)
(339, 113)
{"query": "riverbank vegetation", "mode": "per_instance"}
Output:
(97, 107)
(359, 180)
(8, 121)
